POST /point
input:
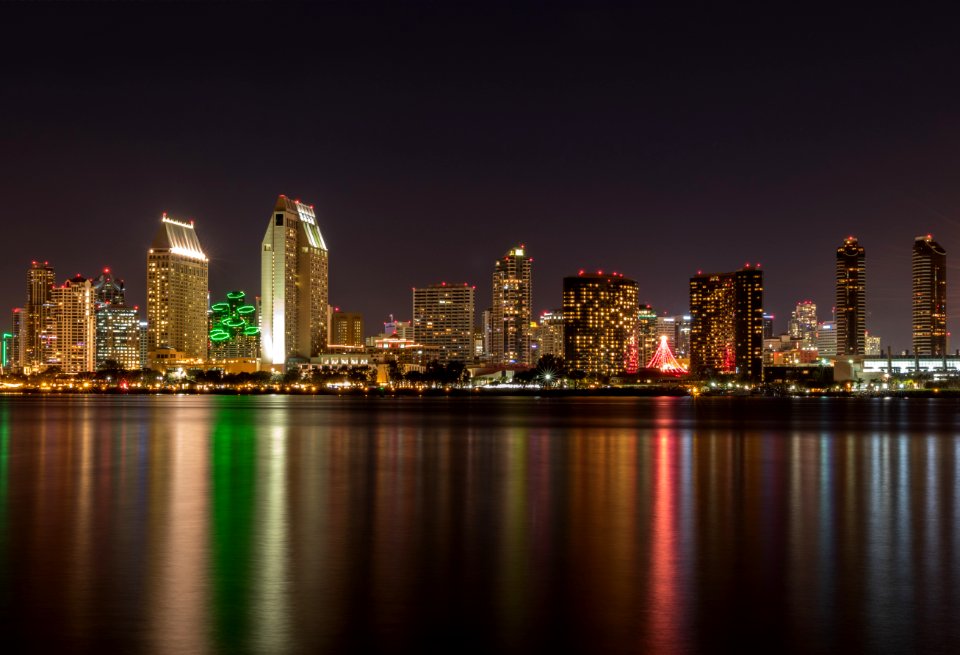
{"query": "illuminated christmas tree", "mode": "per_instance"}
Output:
(664, 360)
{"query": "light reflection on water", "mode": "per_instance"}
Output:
(289, 524)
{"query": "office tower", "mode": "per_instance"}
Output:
(646, 334)
(851, 305)
(667, 327)
(550, 334)
(768, 326)
(234, 333)
(16, 353)
(443, 320)
(827, 339)
(511, 311)
(75, 328)
(872, 346)
(144, 341)
(683, 323)
(929, 297)
(486, 327)
(803, 324)
(38, 320)
(726, 334)
(118, 326)
(599, 319)
(346, 329)
(294, 285)
(177, 290)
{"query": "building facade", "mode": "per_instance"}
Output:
(803, 324)
(726, 333)
(234, 332)
(511, 312)
(294, 285)
(929, 297)
(346, 329)
(550, 334)
(177, 290)
(75, 327)
(599, 320)
(851, 298)
(37, 347)
(118, 326)
(443, 316)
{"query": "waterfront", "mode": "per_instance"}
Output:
(322, 524)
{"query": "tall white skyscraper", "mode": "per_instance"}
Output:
(75, 327)
(511, 312)
(294, 284)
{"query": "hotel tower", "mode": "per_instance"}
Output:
(851, 303)
(929, 297)
(511, 311)
(294, 285)
(177, 288)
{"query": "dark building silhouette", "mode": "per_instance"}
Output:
(726, 331)
(851, 304)
(929, 297)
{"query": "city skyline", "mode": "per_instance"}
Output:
(574, 135)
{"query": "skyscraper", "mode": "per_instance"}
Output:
(929, 297)
(726, 334)
(346, 329)
(177, 287)
(550, 334)
(443, 316)
(599, 319)
(511, 310)
(646, 334)
(803, 324)
(118, 326)
(37, 341)
(294, 284)
(75, 327)
(851, 303)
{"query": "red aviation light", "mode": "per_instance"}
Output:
(581, 272)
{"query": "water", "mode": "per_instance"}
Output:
(294, 524)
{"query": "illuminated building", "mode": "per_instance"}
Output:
(118, 326)
(346, 329)
(873, 346)
(143, 344)
(294, 285)
(177, 289)
(511, 311)
(234, 333)
(667, 327)
(726, 334)
(646, 334)
(16, 348)
(550, 334)
(929, 297)
(827, 339)
(37, 342)
(851, 310)
(75, 327)
(599, 319)
(803, 324)
(486, 332)
(443, 316)
(768, 326)
(683, 324)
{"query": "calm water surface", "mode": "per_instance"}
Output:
(292, 524)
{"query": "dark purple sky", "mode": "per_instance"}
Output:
(431, 140)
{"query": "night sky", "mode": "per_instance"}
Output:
(433, 139)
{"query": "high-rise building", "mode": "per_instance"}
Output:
(177, 290)
(803, 324)
(294, 284)
(929, 297)
(599, 319)
(75, 327)
(443, 316)
(726, 334)
(873, 345)
(16, 352)
(647, 337)
(826, 339)
(768, 326)
(346, 329)
(511, 312)
(144, 340)
(38, 326)
(851, 304)
(550, 334)
(667, 327)
(486, 333)
(684, 324)
(118, 326)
